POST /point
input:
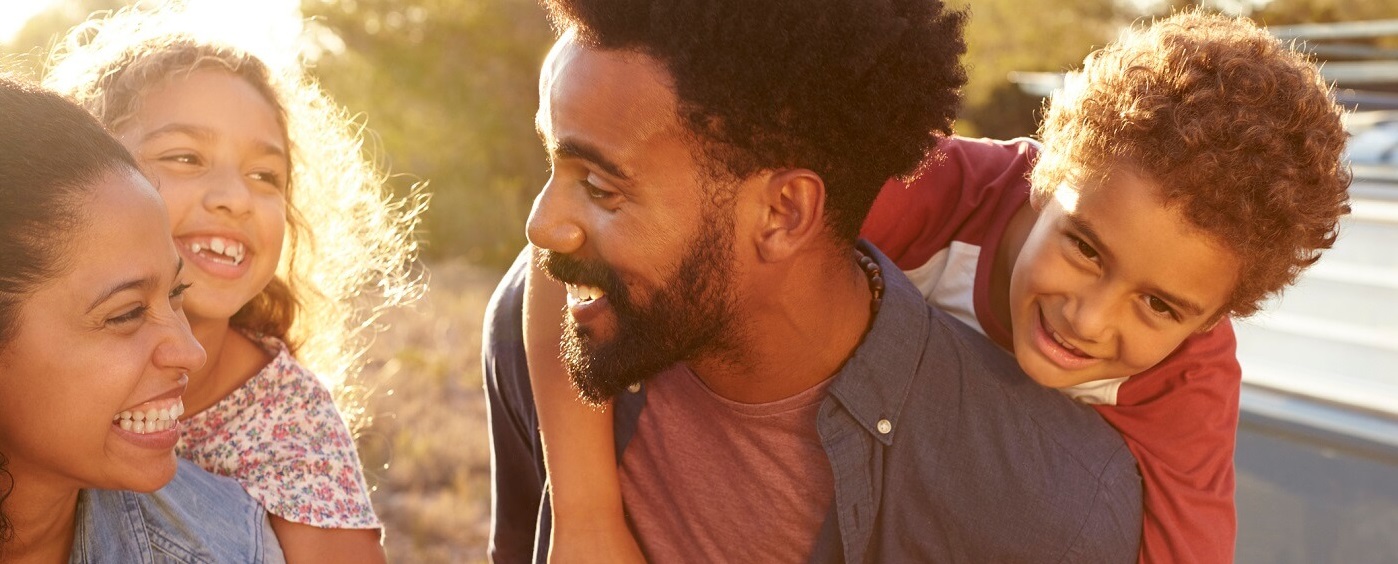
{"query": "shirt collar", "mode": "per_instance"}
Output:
(874, 383)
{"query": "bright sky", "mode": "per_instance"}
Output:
(273, 22)
(14, 13)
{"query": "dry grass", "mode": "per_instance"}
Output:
(424, 443)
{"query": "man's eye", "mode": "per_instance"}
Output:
(593, 191)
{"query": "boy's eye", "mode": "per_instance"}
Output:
(1083, 247)
(1158, 305)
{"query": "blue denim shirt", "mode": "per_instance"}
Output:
(942, 449)
(198, 518)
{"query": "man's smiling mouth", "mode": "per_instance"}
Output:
(582, 294)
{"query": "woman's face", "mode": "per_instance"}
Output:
(102, 341)
(212, 146)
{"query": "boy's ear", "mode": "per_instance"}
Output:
(793, 213)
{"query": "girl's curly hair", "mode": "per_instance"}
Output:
(349, 248)
(1241, 134)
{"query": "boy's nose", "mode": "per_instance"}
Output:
(552, 224)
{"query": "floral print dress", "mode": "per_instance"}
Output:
(282, 438)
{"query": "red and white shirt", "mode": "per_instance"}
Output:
(1179, 418)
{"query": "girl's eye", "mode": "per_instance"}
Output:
(1085, 249)
(128, 317)
(268, 177)
(181, 158)
(1159, 306)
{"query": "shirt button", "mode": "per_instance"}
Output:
(634, 388)
(885, 427)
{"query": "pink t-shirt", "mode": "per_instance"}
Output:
(706, 479)
(281, 437)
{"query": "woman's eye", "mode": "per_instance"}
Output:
(177, 295)
(128, 317)
(1085, 249)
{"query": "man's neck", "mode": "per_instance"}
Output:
(802, 320)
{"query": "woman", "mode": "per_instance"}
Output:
(94, 357)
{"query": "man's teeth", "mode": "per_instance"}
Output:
(578, 293)
(227, 248)
(150, 420)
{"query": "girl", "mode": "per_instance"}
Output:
(1190, 170)
(282, 224)
(89, 264)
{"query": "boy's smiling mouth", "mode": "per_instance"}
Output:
(1057, 348)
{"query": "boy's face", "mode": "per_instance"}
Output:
(1110, 282)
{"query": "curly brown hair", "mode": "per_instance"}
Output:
(1240, 133)
(349, 252)
(854, 90)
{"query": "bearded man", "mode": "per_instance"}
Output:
(782, 392)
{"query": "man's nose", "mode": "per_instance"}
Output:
(553, 222)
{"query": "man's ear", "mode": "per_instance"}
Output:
(793, 214)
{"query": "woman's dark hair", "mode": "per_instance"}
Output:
(854, 90)
(51, 155)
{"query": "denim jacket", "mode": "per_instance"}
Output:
(942, 449)
(196, 518)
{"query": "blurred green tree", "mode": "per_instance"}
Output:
(451, 87)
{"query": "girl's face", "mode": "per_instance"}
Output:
(213, 148)
(101, 342)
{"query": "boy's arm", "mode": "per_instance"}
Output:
(589, 524)
(1180, 419)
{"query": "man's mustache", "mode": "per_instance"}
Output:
(569, 269)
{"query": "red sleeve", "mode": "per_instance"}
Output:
(967, 188)
(1180, 419)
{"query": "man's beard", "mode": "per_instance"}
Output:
(690, 314)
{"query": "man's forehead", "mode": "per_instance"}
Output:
(616, 93)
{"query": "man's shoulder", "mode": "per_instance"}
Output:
(994, 390)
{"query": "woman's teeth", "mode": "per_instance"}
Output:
(150, 420)
(220, 249)
(579, 294)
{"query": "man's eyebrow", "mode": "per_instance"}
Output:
(205, 134)
(569, 148)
